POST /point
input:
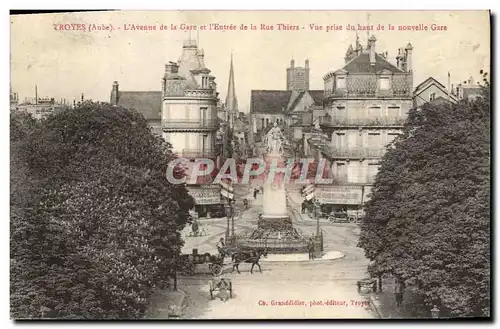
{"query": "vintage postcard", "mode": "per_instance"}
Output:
(250, 165)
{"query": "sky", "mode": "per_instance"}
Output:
(64, 64)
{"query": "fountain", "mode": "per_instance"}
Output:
(275, 229)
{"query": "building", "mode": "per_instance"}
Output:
(284, 106)
(366, 103)
(148, 103)
(14, 99)
(431, 90)
(297, 78)
(184, 112)
(468, 89)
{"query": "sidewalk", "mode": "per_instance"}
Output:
(384, 304)
(167, 304)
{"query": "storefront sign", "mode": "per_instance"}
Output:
(339, 195)
(205, 196)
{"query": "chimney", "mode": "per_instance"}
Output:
(292, 64)
(408, 49)
(371, 44)
(307, 63)
(82, 98)
(114, 93)
(171, 68)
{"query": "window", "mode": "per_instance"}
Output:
(203, 115)
(341, 171)
(372, 172)
(432, 96)
(340, 82)
(385, 83)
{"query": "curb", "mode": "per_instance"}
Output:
(375, 305)
(175, 311)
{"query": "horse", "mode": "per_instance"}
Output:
(252, 257)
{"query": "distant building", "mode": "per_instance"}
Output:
(297, 78)
(41, 108)
(284, 106)
(14, 99)
(431, 90)
(467, 90)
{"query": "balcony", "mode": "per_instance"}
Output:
(380, 121)
(195, 153)
(352, 153)
(201, 93)
(189, 124)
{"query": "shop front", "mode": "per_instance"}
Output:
(334, 198)
(207, 199)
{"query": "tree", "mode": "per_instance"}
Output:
(101, 223)
(428, 219)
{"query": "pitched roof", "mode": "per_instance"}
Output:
(429, 80)
(148, 103)
(317, 96)
(297, 99)
(361, 64)
(269, 101)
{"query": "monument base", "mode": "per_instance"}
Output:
(277, 235)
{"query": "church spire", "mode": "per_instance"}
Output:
(231, 101)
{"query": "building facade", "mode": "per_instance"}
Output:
(184, 112)
(366, 103)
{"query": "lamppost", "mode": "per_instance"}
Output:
(228, 215)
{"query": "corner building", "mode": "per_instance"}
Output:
(366, 104)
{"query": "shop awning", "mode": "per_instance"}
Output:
(205, 195)
(342, 195)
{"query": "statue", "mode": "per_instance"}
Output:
(274, 140)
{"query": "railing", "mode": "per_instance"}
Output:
(334, 152)
(201, 93)
(275, 246)
(189, 124)
(369, 121)
(343, 93)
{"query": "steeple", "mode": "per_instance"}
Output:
(231, 101)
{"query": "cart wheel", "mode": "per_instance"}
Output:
(351, 219)
(216, 269)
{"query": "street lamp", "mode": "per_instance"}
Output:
(228, 215)
(435, 312)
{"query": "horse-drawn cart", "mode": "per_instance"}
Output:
(221, 285)
(215, 262)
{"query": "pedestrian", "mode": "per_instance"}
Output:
(311, 248)
(255, 191)
(220, 247)
(398, 291)
(245, 203)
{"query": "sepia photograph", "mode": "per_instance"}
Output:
(250, 165)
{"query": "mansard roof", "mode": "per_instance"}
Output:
(361, 64)
(148, 103)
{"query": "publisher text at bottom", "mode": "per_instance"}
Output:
(313, 303)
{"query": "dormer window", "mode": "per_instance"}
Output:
(432, 96)
(384, 83)
(341, 82)
(204, 82)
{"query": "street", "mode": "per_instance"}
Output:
(322, 288)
